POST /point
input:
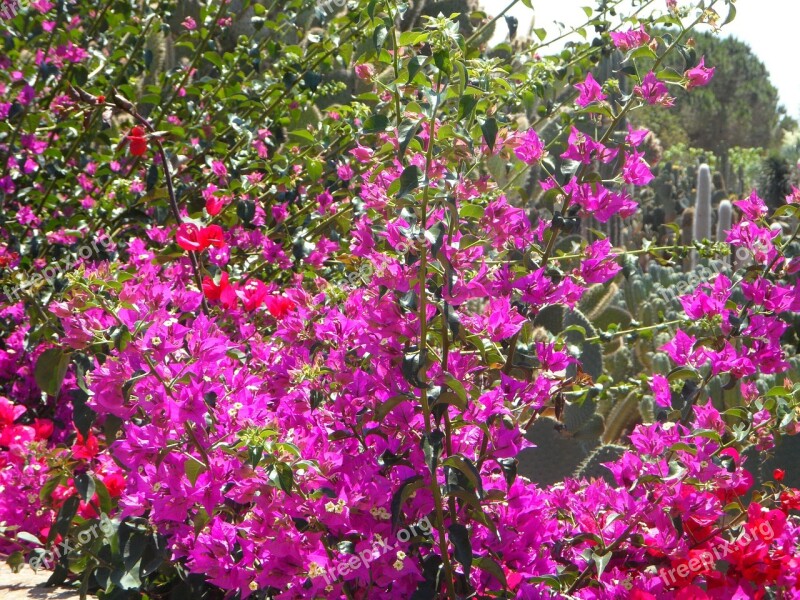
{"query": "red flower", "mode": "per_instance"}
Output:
(193, 239)
(790, 500)
(115, 484)
(188, 237)
(101, 99)
(279, 306)
(253, 294)
(214, 205)
(212, 290)
(87, 448)
(778, 474)
(212, 236)
(138, 141)
(43, 428)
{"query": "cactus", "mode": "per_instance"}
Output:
(593, 467)
(555, 456)
(665, 196)
(687, 230)
(551, 318)
(618, 364)
(724, 220)
(785, 456)
(623, 414)
(701, 229)
(559, 453)
(591, 355)
(597, 299)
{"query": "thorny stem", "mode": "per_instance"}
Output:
(423, 344)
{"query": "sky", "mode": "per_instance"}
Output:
(769, 27)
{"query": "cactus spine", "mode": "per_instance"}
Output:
(702, 209)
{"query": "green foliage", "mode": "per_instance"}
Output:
(745, 164)
(775, 180)
(739, 107)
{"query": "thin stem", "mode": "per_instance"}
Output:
(609, 336)
(173, 202)
(485, 26)
(423, 344)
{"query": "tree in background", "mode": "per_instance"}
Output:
(740, 106)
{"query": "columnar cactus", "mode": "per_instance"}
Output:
(724, 222)
(687, 227)
(702, 209)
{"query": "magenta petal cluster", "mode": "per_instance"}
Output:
(530, 149)
(653, 91)
(367, 331)
(590, 92)
(632, 38)
(699, 75)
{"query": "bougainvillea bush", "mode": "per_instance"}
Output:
(276, 285)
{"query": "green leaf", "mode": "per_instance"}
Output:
(470, 472)
(64, 518)
(489, 130)
(51, 367)
(459, 537)
(375, 123)
(302, 134)
(731, 13)
(49, 487)
(408, 487)
(601, 562)
(85, 486)
(103, 496)
(471, 211)
(432, 446)
(484, 563)
(778, 390)
(285, 476)
(214, 58)
(680, 373)
(193, 467)
(29, 537)
(314, 169)
(405, 133)
(121, 336)
(379, 36)
(386, 407)
(456, 386)
(409, 180)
